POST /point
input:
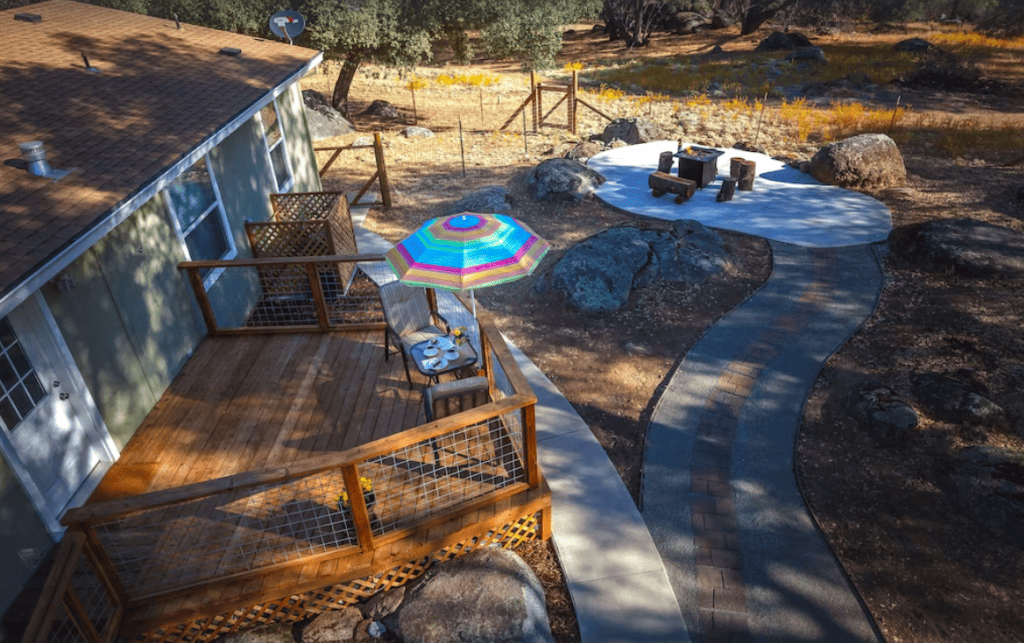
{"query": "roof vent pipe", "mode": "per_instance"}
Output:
(35, 155)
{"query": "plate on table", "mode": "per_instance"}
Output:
(451, 354)
(431, 351)
(435, 363)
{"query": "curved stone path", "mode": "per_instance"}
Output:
(720, 498)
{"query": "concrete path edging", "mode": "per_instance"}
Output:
(744, 556)
(620, 588)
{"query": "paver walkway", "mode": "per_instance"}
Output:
(744, 557)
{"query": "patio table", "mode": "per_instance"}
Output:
(466, 356)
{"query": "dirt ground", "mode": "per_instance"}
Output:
(927, 574)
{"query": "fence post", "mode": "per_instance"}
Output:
(530, 442)
(536, 99)
(385, 184)
(573, 121)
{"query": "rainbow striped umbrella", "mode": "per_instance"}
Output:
(467, 251)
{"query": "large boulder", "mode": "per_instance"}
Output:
(487, 596)
(416, 132)
(913, 45)
(883, 414)
(869, 161)
(632, 131)
(492, 199)
(987, 484)
(324, 121)
(780, 41)
(598, 274)
(949, 400)
(970, 247)
(563, 179)
(381, 109)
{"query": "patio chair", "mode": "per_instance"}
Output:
(449, 398)
(409, 319)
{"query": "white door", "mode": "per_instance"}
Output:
(46, 414)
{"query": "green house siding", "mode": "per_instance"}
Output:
(131, 321)
(297, 140)
(24, 539)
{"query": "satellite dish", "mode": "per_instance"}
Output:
(287, 24)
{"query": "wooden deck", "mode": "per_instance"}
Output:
(250, 402)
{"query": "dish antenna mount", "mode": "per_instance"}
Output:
(287, 24)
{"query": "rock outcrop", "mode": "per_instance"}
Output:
(563, 179)
(869, 161)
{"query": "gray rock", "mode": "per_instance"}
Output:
(987, 484)
(383, 603)
(913, 44)
(970, 247)
(584, 150)
(783, 41)
(563, 179)
(417, 132)
(381, 109)
(949, 400)
(488, 596)
(324, 121)
(632, 130)
(870, 161)
(272, 633)
(807, 53)
(363, 140)
(333, 626)
(886, 417)
(598, 274)
(492, 199)
(721, 21)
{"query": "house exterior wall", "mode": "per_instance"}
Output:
(131, 321)
(298, 141)
(24, 539)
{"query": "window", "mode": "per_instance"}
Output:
(20, 390)
(196, 209)
(275, 147)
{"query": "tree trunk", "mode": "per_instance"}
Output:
(339, 99)
(759, 13)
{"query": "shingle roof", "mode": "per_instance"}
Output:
(163, 91)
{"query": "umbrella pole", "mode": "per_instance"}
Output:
(472, 298)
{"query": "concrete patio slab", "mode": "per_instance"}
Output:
(785, 205)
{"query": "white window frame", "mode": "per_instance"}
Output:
(217, 206)
(290, 183)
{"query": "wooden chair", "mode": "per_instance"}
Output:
(410, 320)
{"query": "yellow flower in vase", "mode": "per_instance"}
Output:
(461, 335)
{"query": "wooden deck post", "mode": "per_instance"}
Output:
(357, 505)
(319, 302)
(203, 300)
(530, 441)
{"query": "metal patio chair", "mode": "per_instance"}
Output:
(410, 320)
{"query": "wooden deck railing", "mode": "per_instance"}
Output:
(285, 294)
(247, 527)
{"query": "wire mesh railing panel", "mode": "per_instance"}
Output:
(94, 596)
(64, 629)
(229, 533)
(503, 388)
(428, 477)
(360, 305)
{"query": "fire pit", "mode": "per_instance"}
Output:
(698, 164)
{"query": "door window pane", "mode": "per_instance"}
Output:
(20, 390)
(207, 241)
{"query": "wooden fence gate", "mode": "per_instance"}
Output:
(381, 174)
(569, 94)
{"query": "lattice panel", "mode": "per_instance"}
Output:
(301, 606)
(64, 629)
(92, 594)
(431, 476)
(310, 206)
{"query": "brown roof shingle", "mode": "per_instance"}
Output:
(163, 91)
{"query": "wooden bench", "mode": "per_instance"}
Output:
(662, 182)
